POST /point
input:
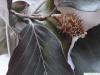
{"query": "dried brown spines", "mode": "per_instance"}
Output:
(70, 24)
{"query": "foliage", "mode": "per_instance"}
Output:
(36, 44)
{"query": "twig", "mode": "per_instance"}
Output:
(34, 16)
(28, 16)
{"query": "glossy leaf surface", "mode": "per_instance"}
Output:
(38, 53)
(86, 53)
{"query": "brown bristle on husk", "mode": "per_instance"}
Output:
(70, 24)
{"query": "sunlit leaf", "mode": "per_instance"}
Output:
(4, 20)
(84, 5)
(4, 11)
(36, 7)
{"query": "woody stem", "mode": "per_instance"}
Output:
(34, 16)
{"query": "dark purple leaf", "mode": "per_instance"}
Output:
(39, 52)
(86, 53)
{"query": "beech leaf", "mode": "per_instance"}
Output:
(39, 52)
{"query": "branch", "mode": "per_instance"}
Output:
(34, 16)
